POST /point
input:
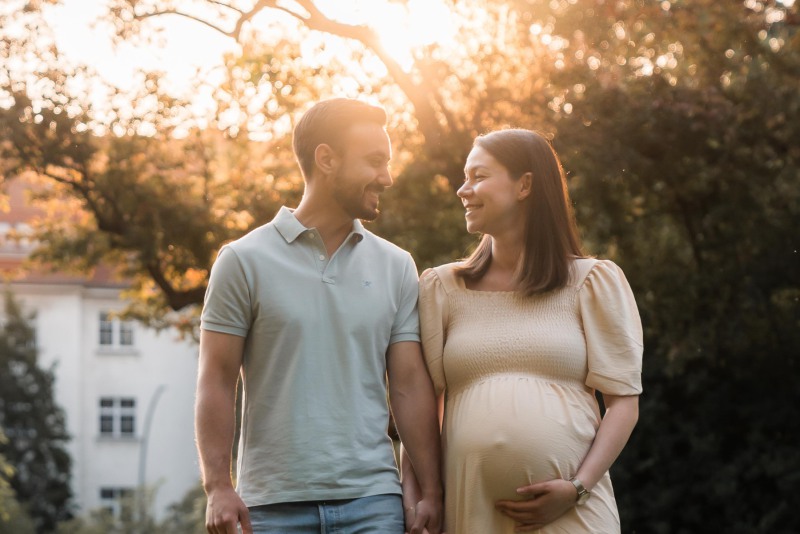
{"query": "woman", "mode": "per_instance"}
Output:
(517, 339)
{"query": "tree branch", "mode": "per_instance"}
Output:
(188, 16)
(175, 299)
(227, 6)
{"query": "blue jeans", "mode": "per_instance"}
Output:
(377, 514)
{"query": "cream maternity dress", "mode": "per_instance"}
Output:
(519, 376)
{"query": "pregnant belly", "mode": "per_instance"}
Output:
(508, 432)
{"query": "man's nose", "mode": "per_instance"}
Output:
(385, 178)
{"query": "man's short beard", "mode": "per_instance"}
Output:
(352, 200)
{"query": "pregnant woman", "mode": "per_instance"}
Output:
(517, 339)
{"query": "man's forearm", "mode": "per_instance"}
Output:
(414, 409)
(215, 422)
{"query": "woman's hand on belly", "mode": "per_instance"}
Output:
(540, 504)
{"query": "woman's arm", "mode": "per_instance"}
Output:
(622, 413)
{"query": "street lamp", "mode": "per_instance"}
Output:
(148, 420)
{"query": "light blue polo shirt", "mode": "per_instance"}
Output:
(317, 329)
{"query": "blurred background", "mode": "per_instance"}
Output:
(138, 136)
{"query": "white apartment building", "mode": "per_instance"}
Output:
(127, 390)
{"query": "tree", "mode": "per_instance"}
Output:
(33, 423)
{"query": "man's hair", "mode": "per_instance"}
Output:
(551, 235)
(326, 123)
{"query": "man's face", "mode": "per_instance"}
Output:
(364, 170)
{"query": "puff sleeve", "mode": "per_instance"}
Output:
(433, 309)
(613, 331)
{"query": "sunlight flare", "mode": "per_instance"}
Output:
(404, 28)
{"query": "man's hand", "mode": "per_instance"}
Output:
(542, 503)
(224, 511)
(425, 517)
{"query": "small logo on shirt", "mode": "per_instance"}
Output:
(367, 283)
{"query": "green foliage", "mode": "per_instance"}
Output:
(103, 522)
(184, 517)
(187, 516)
(13, 517)
(422, 215)
(33, 423)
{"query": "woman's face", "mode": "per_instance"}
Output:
(492, 199)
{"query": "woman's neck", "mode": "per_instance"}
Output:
(503, 269)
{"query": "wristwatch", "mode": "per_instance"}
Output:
(583, 493)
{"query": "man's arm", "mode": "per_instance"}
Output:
(414, 409)
(411, 490)
(215, 421)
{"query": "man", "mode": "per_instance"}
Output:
(315, 311)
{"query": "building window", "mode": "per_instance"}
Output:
(126, 333)
(106, 416)
(117, 417)
(115, 332)
(118, 502)
(106, 329)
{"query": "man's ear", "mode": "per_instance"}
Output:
(525, 185)
(326, 159)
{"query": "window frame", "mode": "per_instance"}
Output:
(115, 335)
(116, 418)
(116, 500)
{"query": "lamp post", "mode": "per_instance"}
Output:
(148, 420)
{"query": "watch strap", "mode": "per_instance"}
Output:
(583, 493)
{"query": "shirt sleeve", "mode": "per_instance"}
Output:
(433, 310)
(613, 331)
(227, 306)
(406, 321)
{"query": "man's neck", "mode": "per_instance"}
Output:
(330, 221)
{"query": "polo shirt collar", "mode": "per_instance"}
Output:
(358, 230)
(290, 228)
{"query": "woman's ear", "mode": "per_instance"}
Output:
(326, 159)
(525, 185)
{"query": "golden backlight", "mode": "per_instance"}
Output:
(406, 28)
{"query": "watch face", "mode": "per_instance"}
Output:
(583, 494)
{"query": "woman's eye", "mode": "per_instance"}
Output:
(475, 178)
